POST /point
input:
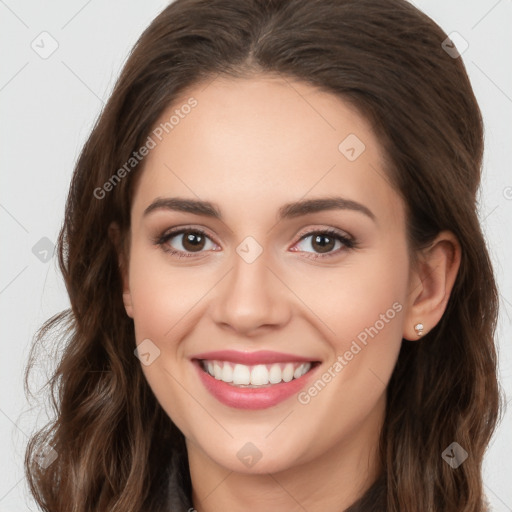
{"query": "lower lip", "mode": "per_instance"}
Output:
(251, 398)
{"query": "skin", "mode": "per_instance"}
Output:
(250, 146)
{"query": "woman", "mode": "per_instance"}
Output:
(281, 295)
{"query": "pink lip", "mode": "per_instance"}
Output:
(252, 398)
(251, 358)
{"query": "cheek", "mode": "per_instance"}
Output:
(162, 295)
(363, 306)
(164, 303)
(368, 291)
(367, 322)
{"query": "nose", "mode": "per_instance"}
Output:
(252, 298)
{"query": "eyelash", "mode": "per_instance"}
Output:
(162, 240)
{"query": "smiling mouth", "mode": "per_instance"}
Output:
(255, 376)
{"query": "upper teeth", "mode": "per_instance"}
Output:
(257, 375)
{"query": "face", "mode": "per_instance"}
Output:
(267, 274)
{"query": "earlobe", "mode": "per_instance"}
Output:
(115, 236)
(127, 300)
(431, 284)
(127, 296)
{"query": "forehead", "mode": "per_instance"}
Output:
(250, 144)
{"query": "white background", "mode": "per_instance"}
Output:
(48, 107)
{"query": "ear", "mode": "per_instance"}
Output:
(430, 284)
(114, 234)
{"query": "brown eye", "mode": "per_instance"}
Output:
(193, 241)
(323, 243)
(327, 242)
(186, 241)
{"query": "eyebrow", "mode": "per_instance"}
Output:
(287, 211)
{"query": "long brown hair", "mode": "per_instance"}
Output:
(113, 441)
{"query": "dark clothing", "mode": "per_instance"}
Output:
(180, 498)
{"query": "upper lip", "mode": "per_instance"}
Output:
(251, 358)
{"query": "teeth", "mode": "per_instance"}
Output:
(288, 372)
(217, 370)
(275, 374)
(227, 373)
(298, 372)
(257, 375)
(241, 374)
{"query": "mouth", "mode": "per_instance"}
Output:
(253, 380)
(255, 376)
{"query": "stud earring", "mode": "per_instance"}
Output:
(419, 329)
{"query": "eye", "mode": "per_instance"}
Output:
(185, 241)
(188, 242)
(323, 242)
